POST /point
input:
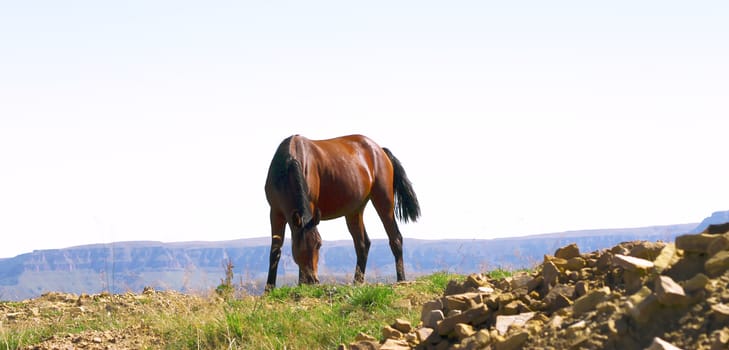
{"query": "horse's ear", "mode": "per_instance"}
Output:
(296, 219)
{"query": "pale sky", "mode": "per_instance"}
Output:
(157, 120)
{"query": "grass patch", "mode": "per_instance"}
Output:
(301, 317)
(294, 293)
(371, 297)
(288, 317)
(500, 273)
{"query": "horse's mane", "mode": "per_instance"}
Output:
(284, 169)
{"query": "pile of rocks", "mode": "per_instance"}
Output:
(636, 295)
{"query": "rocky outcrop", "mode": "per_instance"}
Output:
(636, 295)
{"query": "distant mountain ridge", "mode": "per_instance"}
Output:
(199, 266)
(718, 217)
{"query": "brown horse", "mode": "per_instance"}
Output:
(310, 181)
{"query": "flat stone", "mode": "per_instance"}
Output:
(638, 296)
(697, 282)
(423, 333)
(449, 323)
(669, 292)
(550, 272)
(520, 280)
(429, 306)
(604, 261)
(576, 263)
(463, 330)
(535, 282)
(567, 252)
(504, 322)
(512, 308)
(432, 319)
(363, 345)
(485, 290)
(478, 314)
(631, 263)
(559, 297)
(719, 243)
(560, 263)
(581, 288)
(647, 250)
(665, 257)
(462, 301)
(402, 325)
(391, 333)
(513, 342)
(394, 344)
(590, 300)
(504, 299)
(695, 243)
(717, 264)
(660, 344)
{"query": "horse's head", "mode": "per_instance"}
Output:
(306, 243)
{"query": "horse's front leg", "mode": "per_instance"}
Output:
(278, 227)
(355, 224)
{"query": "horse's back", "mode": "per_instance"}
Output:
(341, 144)
(346, 170)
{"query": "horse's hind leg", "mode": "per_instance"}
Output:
(355, 224)
(385, 205)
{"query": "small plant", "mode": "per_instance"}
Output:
(371, 297)
(439, 280)
(226, 289)
(500, 273)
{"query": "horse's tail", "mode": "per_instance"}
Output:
(406, 202)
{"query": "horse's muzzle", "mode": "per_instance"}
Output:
(307, 276)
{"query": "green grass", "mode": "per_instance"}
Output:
(500, 273)
(303, 317)
(288, 317)
(371, 297)
(437, 282)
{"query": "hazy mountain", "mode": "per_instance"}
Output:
(198, 266)
(718, 217)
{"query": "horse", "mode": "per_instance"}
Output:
(313, 180)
